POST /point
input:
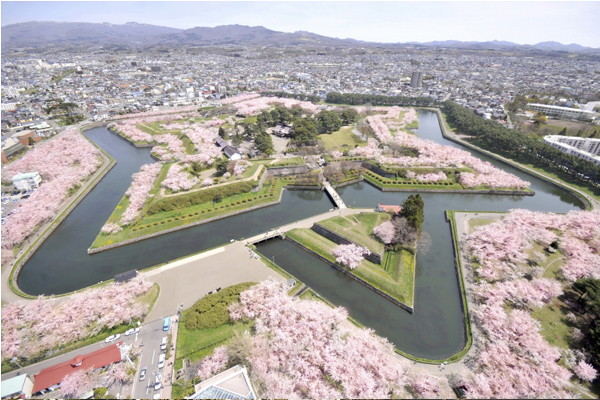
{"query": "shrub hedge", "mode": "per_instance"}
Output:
(203, 196)
(211, 311)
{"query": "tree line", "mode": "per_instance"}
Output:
(492, 136)
(302, 97)
(356, 99)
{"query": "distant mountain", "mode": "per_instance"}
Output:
(39, 34)
(44, 32)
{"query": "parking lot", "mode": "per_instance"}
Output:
(9, 205)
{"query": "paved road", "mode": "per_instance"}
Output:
(151, 335)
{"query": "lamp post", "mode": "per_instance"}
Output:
(14, 360)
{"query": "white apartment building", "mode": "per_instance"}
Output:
(562, 112)
(26, 181)
(587, 149)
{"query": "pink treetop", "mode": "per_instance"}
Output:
(214, 363)
(77, 383)
(336, 154)
(585, 371)
(110, 228)
(139, 190)
(177, 179)
(350, 255)
(305, 349)
(239, 97)
(386, 232)
(207, 182)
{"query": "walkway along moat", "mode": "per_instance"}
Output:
(435, 330)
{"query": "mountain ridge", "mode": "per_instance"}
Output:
(39, 33)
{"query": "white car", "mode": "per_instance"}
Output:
(132, 331)
(163, 344)
(112, 338)
(157, 384)
(161, 361)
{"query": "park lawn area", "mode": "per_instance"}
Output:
(288, 162)
(172, 219)
(477, 222)
(343, 139)
(359, 228)
(187, 143)
(400, 287)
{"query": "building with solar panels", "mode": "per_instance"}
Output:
(231, 384)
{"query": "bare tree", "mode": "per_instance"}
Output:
(405, 234)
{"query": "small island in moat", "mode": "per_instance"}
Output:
(378, 249)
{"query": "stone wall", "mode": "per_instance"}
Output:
(336, 238)
(465, 191)
(356, 278)
(375, 169)
(293, 170)
(260, 182)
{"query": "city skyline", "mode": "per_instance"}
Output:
(385, 22)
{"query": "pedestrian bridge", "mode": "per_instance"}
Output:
(334, 195)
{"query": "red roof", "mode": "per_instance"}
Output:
(97, 359)
(395, 209)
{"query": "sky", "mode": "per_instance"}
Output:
(387, 22)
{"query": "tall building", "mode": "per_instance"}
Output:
(562, 112)
(416, 79)
(585, 148)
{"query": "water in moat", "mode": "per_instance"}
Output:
(434, 331)
(62, 264)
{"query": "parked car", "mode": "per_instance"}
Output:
(163, 343)
(157, 384)
(25, 196)
(112, 338)
(15, 200)
(132, 331)
(161, 361)
(143, 373)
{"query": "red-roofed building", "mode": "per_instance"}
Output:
(97, 359)
(394, 209)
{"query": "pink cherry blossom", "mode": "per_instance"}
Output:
(350, 255)
(439, 176)
(31, 327)
(207, 182)
(239, 97)
(336, 154)
(214, 363)
(139, 190)
(110, 228)
(62, 163)
(77, 383)
(386, 232)
(178, 180)
(585, 371)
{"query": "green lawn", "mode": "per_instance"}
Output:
(166, 220)
(343, 139)
(288, 162)
(398, 283)
(403, 183)
(359, 228)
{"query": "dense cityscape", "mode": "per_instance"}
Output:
(306, 217)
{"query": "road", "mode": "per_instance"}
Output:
(151, 336)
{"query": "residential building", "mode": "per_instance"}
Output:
(563, 112)
(92, 361)
(18, 387)
(231, 384)
(26, 180)
(417, 79)
(10, 147)
(584, 148)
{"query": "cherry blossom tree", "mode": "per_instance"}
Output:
(117, 373)
(62, 162)
(31, 327)
(177, 179)
(350, 255)
(239, 97)
(207, 182)
(139, 190)
(110, 228)
(76, 384)
(214, 363)
(585, 371)
(385, 231)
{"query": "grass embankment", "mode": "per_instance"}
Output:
(288, 162)
(341, 140)
(395, 277)
(149, 298)
(358, 228)
(540, 169)
(404, 183)
(171, 219)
